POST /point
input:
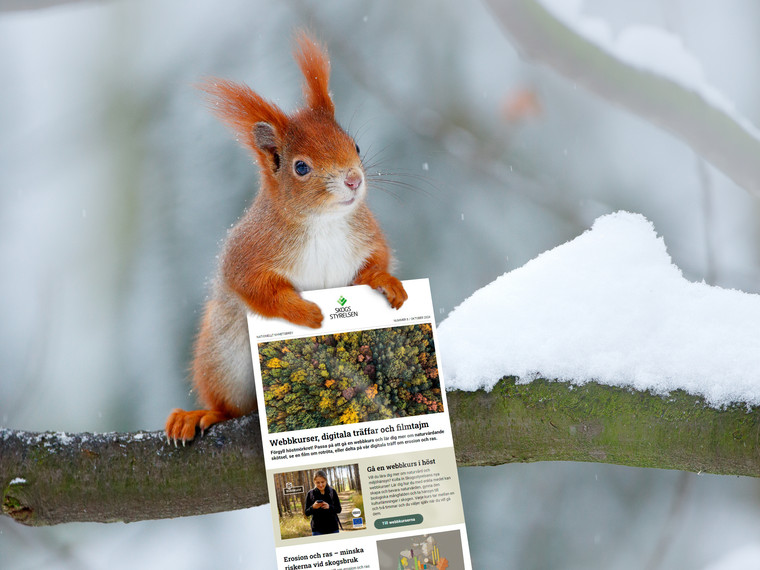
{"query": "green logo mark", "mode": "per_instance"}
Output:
(342, 300)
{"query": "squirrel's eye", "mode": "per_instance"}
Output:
(357, 149)
(301, 168)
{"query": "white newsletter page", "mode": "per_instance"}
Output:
(357, 441)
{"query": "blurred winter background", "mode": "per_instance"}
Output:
(117, 185)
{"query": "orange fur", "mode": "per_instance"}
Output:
(288, 238)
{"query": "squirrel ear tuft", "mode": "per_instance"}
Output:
(315, 65)
(243, 110)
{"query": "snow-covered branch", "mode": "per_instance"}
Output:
(608, 306)
(651, 88)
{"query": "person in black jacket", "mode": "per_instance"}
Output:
(322, 505)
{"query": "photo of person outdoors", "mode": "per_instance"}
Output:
(323, 506)
(322, 500)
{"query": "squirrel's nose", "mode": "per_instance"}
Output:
(353, 179)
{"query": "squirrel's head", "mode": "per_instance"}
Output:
(307, 160)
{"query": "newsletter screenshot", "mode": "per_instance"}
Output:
(357, 441)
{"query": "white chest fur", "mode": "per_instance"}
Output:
(329, 256)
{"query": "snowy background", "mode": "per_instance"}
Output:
(117, 185)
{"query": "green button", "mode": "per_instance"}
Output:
(393, 522)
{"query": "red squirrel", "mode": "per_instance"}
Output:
(309, 227)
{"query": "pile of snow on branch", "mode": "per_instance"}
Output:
(608, 306)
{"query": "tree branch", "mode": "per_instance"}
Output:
(709, 131)
(557, 421)
(52, 478)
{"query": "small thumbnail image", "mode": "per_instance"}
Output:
(352, 377)
(325, 500)
(434, 551)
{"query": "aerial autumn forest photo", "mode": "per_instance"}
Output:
(351, 377)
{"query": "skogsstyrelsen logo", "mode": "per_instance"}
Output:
(344, 311)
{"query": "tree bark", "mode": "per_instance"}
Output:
(51, 478)
(713, 133)
(557, 421)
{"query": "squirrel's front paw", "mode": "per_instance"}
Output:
(305, 313)
(181, 425)
(394, 291)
